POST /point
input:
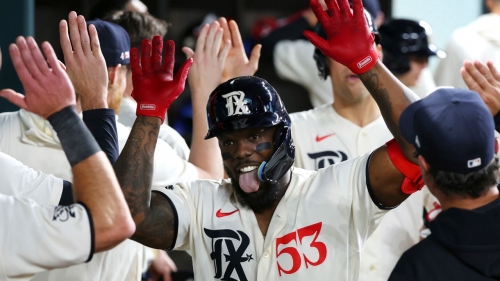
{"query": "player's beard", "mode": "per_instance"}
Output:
(259, 200)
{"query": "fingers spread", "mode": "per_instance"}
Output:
(343, 6)
(146, 56)
(38, 58)
(27, 58)
(217, 40)
(54, 63)
(485, 72)
(357, 8)
(469, 81)
(255, 56)
(169, 58)
(157, 49)
(321, 14)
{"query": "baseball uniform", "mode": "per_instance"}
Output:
(21, 181)
(322, 137)
(36, 238)
(26, 134)
(29, 135)
(317, 231)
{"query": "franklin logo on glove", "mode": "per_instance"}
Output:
(148, 107)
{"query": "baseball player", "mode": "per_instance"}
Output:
(349, 127)
(407, 48)
(40, 148)
(269, 220)
(42, 237)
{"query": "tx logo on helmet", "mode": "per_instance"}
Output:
(235, 103)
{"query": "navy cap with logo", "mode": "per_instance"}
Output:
(452, 129)
(114, 41)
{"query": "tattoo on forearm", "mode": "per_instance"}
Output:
(381, 95)
(134, 170)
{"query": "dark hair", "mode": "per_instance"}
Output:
(139, 26)
(103, 7)
(472, 185)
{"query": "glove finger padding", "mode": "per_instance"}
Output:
(154, 86)
(349, 39)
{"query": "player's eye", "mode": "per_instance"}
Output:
(227, 143)
(255, 137)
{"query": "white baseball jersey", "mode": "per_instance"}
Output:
(31, 139)
(317, 231)
(21, 181)
(322, 137)
(36, 238)
(25, 135)
(479, 40)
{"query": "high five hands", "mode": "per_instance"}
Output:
(155, 87)
(348, 38)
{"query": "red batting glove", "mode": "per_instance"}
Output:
(155, 88)
(349, 40)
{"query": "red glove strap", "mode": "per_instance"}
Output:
(413, 181)
(150, 109)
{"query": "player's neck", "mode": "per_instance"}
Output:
(469, 203)
(264, 218)
(360, 113)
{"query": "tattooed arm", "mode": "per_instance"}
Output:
(392, 98)
(152, 213)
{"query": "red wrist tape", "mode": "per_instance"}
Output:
(413, 181)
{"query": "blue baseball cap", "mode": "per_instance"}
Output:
(452, 129)
(115, 42)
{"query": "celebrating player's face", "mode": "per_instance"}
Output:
(243, 151)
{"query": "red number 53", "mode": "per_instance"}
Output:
(311, 230)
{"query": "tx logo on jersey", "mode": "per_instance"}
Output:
(235, 103)
(234, 257)
(327, 158)
(63, 213)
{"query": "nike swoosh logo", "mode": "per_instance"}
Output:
(318, 138)
(220, 214)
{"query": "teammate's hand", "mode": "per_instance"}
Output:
(155, 87)
(162, 267)
(47, 86)
(349, 40)
(209, 59)
(85, 63)
(485, 81)
(237, 62)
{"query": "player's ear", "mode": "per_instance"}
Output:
(423, 164)
(113, 72)
(379, 51)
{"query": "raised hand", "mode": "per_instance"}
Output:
(47, 86)
(237, 62)
(349, 40)
(155, 87)
(485, 81)
(209, 59)
(85, 63)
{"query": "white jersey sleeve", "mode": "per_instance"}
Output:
(23, 182)
(175, 140)
(36, 238)
(293, 61)
(351, 176)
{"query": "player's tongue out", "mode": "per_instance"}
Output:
(249, 180)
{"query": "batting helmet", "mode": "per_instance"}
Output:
(402, 38)
(320, 58)
(251, 102)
